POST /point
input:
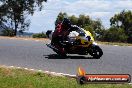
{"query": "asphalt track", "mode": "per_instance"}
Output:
(35, 54)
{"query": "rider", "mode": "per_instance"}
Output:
(60, 33)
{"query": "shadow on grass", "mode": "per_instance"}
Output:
(56, 56)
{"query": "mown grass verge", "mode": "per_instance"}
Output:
(20, 78)
(115, 43)
(43, 39)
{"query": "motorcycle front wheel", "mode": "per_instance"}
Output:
(96, 51)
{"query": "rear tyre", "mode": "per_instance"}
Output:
(96, 52)
(57, 51)
(63, 55)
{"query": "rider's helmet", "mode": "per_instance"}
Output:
(66, 22)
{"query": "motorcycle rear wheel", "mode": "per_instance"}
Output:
(61, 54)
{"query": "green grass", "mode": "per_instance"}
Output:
(115, 43)
(19, 78)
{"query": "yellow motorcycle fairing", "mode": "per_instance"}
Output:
(84, 41)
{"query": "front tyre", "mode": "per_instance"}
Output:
(96, 51)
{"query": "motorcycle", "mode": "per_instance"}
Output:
(79, 41)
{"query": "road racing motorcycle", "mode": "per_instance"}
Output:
(79, 41)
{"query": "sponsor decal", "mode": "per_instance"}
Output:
(83, 78)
